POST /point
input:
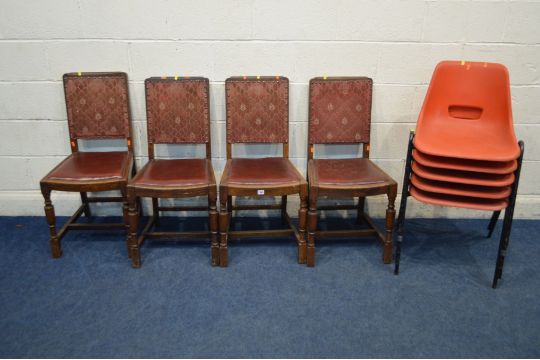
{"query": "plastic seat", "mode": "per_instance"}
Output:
(467, 113)
(178, 112)
(458, 201)
(490, 167)
(97, 107)
(449, 188)
(463, 177)
(464, 152)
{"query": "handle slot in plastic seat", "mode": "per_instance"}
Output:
(465, 112)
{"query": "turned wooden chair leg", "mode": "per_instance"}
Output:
(125, 212)
(155, 211)
(302, 220)
(312, 228)
(213, 218)
(390, 217)
(84, 199)
(224, 217)
(139, 200)
(54, 241)
(133, 242)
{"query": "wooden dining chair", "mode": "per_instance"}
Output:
(258, 112)
(340, 113)
(178, 112)
(97, 108)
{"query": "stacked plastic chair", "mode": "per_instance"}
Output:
(464, 152)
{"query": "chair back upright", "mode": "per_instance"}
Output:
(257, 111)
(97, 107)
(339, 112)
(475, 95)
(177, 112)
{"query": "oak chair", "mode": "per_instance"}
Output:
(97, 108)
(177, 112)
(340, 113)
(258, 112)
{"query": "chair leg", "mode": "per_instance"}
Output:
(133, 243)
(155, 210)
(312, 228)
(493, 222)
(224, 217)
(399, 230)
(54, 241)
(507, 223)
(213, 218)
(84, 199)
(284, 209)
(505, 244)
(360, 211)
(403, 205)
(230, 206)
(125, 211)
(139, 201)
(302, 220)
(390, 217)
(502, 249)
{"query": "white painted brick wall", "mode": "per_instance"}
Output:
(397, 43)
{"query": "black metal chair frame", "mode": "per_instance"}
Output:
(507, 221)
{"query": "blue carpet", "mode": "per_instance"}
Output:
(91, 303)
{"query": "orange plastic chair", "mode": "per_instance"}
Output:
(465, 151)
(450, 188)
(473, 96)
(492, 167)
(463, 177)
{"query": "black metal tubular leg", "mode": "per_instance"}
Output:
(493, 222)
(507, 225)
(501, 252)
(403, 203)
(84, 199)
(155, 210)
(400, 223)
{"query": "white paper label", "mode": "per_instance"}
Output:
(260, 192)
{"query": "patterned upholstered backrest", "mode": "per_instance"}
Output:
(97, 105)
(339, 110)
(177, 110)
(257, 110)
